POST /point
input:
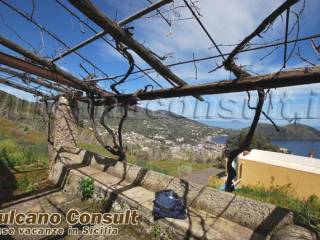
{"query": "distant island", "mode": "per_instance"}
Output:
(291, 132)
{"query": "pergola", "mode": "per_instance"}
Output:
(45, 72)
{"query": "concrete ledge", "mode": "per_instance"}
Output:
(258, 216)
(198, 225)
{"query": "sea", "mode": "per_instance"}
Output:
(300, 148)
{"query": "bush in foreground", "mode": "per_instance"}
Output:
(307, 211)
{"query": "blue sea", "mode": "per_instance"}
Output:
(300, 148)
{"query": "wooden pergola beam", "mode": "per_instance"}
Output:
(28, 67)
(98, 17)
(123, 22)
(53, 72)
(21, 87)
(41, 82)
(293, 77)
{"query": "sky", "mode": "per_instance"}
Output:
(228, 22)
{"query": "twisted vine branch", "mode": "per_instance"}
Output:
(263, 112)
(117, 148)
(124, 51)
(229, 62)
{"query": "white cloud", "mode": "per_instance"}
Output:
(227, 23)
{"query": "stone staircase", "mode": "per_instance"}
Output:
(120, 195)
(198, 225)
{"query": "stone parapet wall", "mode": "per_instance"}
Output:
(259, 216)
(242, 210)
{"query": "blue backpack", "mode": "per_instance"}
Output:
(168, 204)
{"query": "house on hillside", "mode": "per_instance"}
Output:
(271, 168)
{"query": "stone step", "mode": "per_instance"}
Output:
(199, 224)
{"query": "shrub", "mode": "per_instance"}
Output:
(258, 142)
(215, 182)
(13, 154)
(36, 153)
(307, 212)
(156, 231)
(10, 146)
(87, 187)
(25, 185)
(151, 166)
